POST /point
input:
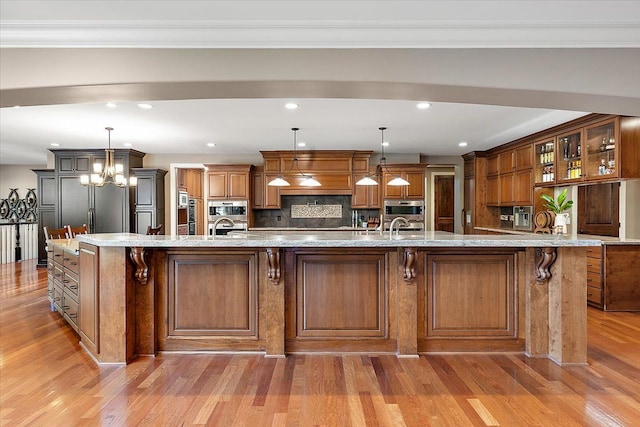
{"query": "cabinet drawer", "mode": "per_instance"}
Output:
(58, 254)
(594, 251)
(57, 297)
(70, 282)
(70, 310)
(58, 275)
(594, 265)
(594, 279)
(70, 261)
(594, 295)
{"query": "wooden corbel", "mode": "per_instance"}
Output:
(273, 259)
(142, 270)
(544, 259)
(409, 264)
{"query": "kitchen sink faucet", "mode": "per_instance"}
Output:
(403, 223)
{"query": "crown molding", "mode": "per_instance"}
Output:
(315, 34)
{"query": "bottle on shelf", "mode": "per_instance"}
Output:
(603, 146)
(542, 155)
(602, 169)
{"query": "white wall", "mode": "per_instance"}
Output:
(20, 177)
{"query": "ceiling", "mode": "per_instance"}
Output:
(221, 72)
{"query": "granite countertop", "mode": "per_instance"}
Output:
(68, 245)
(289, 238)
(604, 240)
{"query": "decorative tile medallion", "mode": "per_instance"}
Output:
(316, 211)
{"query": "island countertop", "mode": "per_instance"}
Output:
(335, 239)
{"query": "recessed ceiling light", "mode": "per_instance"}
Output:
(128, 144)
(385, 144)
(145, 106)
(462, 144)
(302, 144)
(211, 144)
(290, 105)
(111, 105)
(16, 106)
(55, 144)
(423, 105)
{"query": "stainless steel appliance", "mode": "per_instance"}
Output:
(523, 218)
(235, 210)
(191, 217)
(411, 210)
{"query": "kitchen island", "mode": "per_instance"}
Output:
(333, 292)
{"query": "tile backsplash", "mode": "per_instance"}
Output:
(310, 212)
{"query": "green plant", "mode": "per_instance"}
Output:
(559, 206)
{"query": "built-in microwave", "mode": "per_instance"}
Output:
(411, 210)
(235, 210)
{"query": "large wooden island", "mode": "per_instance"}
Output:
(331, 292)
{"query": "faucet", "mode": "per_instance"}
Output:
(403, 222)
(219, 220)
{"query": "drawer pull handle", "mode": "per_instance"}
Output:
(589, 280)
(65, 307)
(72, 315)
(74, 287)
(589, 294)
(65, 281)
(74, 263)
(57, 255)
(56, 299)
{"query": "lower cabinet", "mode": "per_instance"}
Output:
(62, 284)
(210, 301)
(89, 319)
(469, 302)
(594, 276)
(613, 282)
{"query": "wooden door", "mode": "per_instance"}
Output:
(443, 208)
(598, 209)
(238, 185)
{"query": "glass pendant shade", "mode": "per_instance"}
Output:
(397, 181)
(278, 182)
(310, 181)
(367, 180)
(111, 172)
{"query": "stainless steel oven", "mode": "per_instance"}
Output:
(235, 210)
(411, 210)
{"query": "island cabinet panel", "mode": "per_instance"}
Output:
(337, 301)
(89, 320)
(468, 302)
(211, 301)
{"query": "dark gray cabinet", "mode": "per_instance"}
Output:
(63, 200)
(149, 199)
(47, 195)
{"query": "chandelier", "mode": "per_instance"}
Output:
(397, 180)
(307, 181)
(111, 172)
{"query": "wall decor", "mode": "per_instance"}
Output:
(14, 209)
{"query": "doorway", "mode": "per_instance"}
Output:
(443, 207)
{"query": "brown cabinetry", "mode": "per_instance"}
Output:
(413, 173)
(228, 182)
(62, 284)
(365, 196)
(594, 276)
(613, 283)
(89, 320)
(263, 195)
(509, 177)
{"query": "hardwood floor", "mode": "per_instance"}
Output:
(47, 380)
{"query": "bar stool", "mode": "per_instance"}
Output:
(72, 231)
(152, 231)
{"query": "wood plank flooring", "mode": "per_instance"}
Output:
(47, 380)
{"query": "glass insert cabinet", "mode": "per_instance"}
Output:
(587, 153)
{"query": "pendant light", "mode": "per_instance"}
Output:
(396, 181)
(110, 173)
(308, 180)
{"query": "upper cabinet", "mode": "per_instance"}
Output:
(229, 182)
(191, 181)
(509, 177)
(600, 150)
(414, 173)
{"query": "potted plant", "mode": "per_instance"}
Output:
(558, 207)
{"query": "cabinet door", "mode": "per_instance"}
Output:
(199, 216)
(391, 191)
(217, 185)
(492, 165)
(72, 164)
(238, 185)
(524, 157)
(415, 190)
(493, 191)
(360, 197)
(271, 193)
(144, 219)
(506, 189)
(469, 205)
(600, 151)
(258, 189)
(569, 157)
(599, 209)
(74, 201)
(89, 319)
(506, 162)
(111, 210)
(523, 188)
(144, 192)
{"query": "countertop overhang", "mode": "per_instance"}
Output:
(335, 239)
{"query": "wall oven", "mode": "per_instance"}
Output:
(235, 210)
(411, 210)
